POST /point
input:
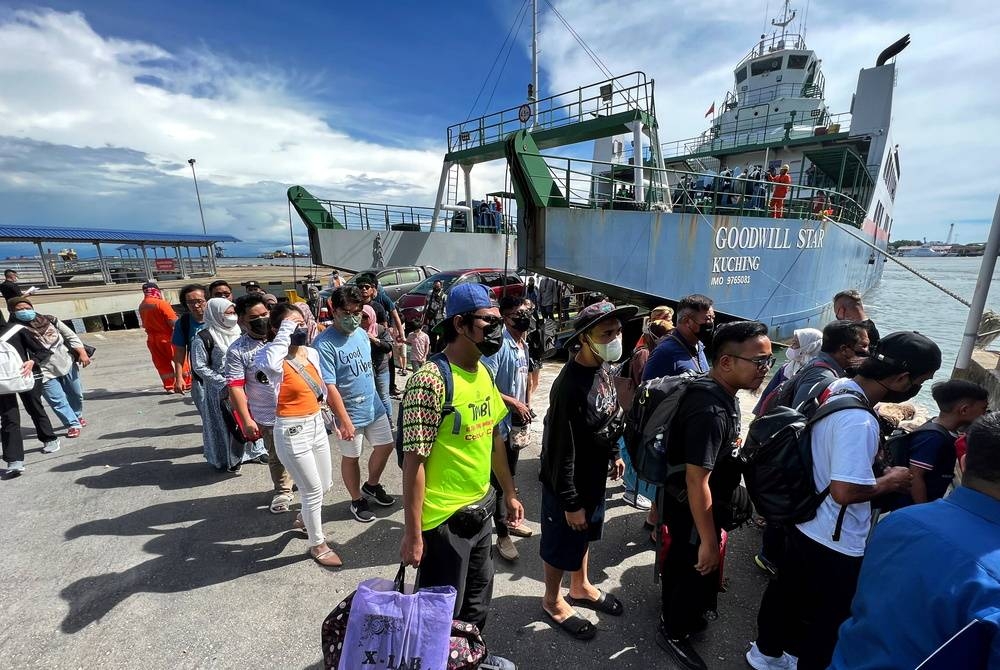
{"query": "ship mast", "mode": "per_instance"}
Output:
(533, 87)
(787, 16)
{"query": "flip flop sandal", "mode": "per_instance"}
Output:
(300, 525)
(327, 559)
(575, 625)
(520, 530)
(606, 603)
(280, 503)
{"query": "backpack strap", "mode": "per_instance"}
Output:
(186, 330)
(306, 377)
(207, 340)
(13, 330)
(444, 367)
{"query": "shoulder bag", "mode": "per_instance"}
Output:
(329, 420)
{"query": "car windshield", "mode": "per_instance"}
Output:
(424, 287)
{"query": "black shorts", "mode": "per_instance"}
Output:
(561, 546)
(534, 364)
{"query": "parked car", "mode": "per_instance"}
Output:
(395, 280)
(411, 305)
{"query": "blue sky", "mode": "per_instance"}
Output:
(102, 102)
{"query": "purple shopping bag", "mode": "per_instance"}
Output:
(389, 629)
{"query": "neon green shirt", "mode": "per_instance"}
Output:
(457, 469)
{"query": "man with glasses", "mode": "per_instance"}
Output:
(448, 459)
(385, 309)
(704, 474)
(845, 346)
(185, 329)
(510, 372)
(346, 363)
(220, 289)
(684, 349)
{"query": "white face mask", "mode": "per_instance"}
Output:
(793, 353)
(609, 352)
(229, 320)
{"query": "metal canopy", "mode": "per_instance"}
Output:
(842, 164)
(101, 235)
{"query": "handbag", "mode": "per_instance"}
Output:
(76, 354)
(234, 423)
(329, 420)
(381, 626)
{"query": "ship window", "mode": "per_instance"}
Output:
(741, 75)
(765, 65)
(797, 62)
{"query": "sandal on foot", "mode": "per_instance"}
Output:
(605, 603)
(300, 525)
(328, 559)
(577, 627)
(280, 503)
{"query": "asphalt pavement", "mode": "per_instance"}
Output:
(126, 550)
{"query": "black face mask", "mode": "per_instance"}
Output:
(259, 327)
(492, 340)
(901, 396)
(521, 323)
(299, 336)
(705, 334)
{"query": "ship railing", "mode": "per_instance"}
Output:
(407, 218)
(630, 92)
(602, 185)
(760, 96)
(776, 42)
(771, 128)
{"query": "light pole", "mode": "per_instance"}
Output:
(203, 228)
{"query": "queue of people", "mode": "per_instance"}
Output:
(273, 386)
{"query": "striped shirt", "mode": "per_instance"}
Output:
(241, 371)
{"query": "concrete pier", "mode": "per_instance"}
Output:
(126, 550)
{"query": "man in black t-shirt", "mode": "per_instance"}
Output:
(703, 437)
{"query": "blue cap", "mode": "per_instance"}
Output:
(466, 298)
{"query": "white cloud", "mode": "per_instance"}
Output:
(64, 86)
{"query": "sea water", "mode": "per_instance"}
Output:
(903, 301)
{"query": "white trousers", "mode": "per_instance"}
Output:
(303, 447)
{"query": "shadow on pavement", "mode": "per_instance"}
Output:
(197, 543)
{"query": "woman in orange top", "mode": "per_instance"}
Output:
(300, 438)
(157, 318)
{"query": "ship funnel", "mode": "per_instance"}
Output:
(892, 50)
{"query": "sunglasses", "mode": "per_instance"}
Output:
(762, 362)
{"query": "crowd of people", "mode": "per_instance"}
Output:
(275, 385)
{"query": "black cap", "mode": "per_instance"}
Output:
(150, 284)
(366, 278)
(251, 284)
(909, 351)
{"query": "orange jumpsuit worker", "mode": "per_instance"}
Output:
(780, 192)
(158, 317)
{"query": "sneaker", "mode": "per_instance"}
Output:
(506, 548)
(765, 565)
(15, 468)
(636, 500)
(758, 661)
(359, 508)
(378, 494)
(73, 432)
(53, 446)
(494, 662)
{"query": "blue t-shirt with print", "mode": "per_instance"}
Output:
(346, 362)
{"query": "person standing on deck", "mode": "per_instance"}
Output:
(158, 319)
(782, 181)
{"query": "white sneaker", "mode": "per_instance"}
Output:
(50, 447)
(636, 500)
(758, 661)
(15, 468)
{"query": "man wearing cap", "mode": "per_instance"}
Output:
(449, 455)
(253, 287)
(804, 606)
(578, 442)
(157, 318)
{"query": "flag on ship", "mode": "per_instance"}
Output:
(711, 110)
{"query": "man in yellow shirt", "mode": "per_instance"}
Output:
(449, 452)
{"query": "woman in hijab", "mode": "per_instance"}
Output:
(208, 359)
(60, 373)
(805, 346)
(312, 328)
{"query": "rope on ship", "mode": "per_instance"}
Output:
(900, 263)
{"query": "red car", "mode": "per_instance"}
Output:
(411, 305)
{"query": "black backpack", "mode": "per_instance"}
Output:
(896, 450)
(444, 366)
(784, 394)
(778, 464)
(647, 424)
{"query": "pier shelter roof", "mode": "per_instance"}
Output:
(101, 235)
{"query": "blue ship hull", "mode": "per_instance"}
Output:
(781, 272)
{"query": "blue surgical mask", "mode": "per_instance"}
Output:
(24, 314)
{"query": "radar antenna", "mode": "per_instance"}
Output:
(787, 16)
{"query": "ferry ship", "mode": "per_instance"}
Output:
(650, 222)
